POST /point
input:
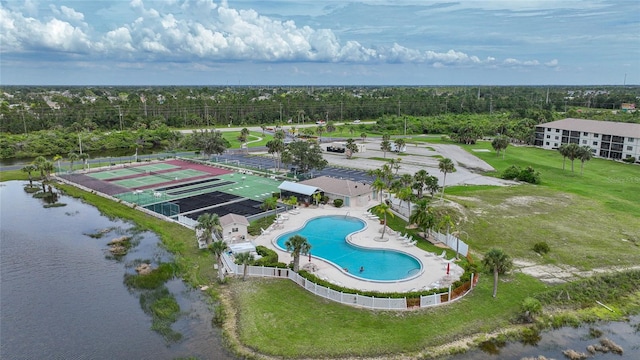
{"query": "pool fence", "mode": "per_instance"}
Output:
(369, 302)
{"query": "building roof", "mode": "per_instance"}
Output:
(339, 186)
(231, 219)
(596, 126)
(298, 188)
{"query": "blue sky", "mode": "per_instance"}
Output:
(301, 42)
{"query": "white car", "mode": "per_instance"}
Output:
(356, 121)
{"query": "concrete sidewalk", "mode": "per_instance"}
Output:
(433, 272)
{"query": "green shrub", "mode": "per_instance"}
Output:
(629, 159)
(338, 203)
(511, 173)
(529, 175)
(256, 225)
(269, 257)
(530, 307)
(541, 247)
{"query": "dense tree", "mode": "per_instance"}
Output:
(351, 147)
(306, 156)
(400, 143)
(208, 228)
(210, 142)
(423, 216)
(297, 245)
(500, 143)
(496, 261)
(275, 147)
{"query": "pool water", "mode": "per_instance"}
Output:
(327, 236)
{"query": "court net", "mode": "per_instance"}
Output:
(148, 172)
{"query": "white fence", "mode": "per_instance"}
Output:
(452, 242)
(369, 302)
(188, 222)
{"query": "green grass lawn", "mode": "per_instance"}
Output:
(314, 327)
(232, 138)
(589, 220)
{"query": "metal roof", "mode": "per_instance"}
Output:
(298, 188)
(340, 186)
(596, 127)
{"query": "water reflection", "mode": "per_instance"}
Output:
(63, 297)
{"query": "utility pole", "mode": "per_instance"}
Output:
(120, 115)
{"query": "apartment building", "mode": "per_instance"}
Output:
(607, 139)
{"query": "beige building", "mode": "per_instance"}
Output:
(234, 227)
(607, 139)
(353, 193)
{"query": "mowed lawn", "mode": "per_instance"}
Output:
(279, 318)
(589, 221)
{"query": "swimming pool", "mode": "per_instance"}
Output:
(327, 236)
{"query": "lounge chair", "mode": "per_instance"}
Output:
(264, 232)
(444, 253)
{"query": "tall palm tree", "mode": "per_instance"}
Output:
(29, 169)
(244, 259)
(297, 245)
(276, 147)
(209, 224)
(363, 136)
(39, 163)
(218, 248)
(573, 151)
(498, 262)
(72, 157)
(383, 210)
(446, 166)
(378, 185)
(563, 151)
(420, 181)
(270, 203)
(584, 155)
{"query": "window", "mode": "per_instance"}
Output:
(630, 139)
(629, 148)
(234, 229)
(595, 135)
(584, 142)
(595, 143)
(555, 145)
(585, 133)
(548, 136)
(557, 130)
(548, 129)
(557, 138)
(547, 143)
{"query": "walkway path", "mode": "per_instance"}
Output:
(434, 268)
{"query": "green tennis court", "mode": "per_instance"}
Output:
(127, 171)
(249, 186)
(153, 179)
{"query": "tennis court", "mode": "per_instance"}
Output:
(183, 187)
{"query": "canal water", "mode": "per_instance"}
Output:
(63, 297)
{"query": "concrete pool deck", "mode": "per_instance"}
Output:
(434, 268)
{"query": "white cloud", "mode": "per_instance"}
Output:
(201, 30)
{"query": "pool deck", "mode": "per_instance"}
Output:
(434, 268)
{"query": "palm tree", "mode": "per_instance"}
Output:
(244, 259)
(276, 147)
(270, 203)
(383, 210)
(400, 143)
(385, 146)
(420, 181)
(39, 164)
(73, 157)
(57, 159)
(446, 166)
(500, 143)
(497, 261)
(423, 217)
(297, 245)
(352, 147)
(563, 151)
(378, 185)
(209, 224)
(84, 157)
(584, 155)
(363, 136)
(573, 151)
(29, 169)
(218, 248)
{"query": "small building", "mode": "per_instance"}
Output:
(607, 139)
(234, 227)
(304, 193)
(353, 193)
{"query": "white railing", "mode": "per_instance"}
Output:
(369, 302)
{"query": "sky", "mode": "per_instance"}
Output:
(303, 42)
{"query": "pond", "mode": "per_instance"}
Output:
(63, 294)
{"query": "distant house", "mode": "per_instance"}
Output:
(234, 227)
(353, 193)
(607, 139)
